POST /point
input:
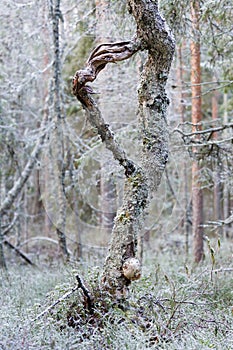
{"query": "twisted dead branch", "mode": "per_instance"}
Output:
(98, 59)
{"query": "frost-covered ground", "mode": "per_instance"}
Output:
(174, 306)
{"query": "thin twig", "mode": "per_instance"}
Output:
(10, 226)
(228, 269)
(86, 293)
(201, 132)
(50, 307)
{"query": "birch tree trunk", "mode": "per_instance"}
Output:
(121, 266)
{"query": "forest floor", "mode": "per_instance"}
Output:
(175, 305)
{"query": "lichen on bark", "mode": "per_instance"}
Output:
(153, 36)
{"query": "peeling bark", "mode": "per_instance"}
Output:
(141, 181)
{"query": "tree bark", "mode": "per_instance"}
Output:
(121, 266)
(58, 145)
(186, 204)
(197, 197)
(226, 187)
(2, 255)
(216, 170)
(20, 182)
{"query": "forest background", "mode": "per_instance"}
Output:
(60, 187)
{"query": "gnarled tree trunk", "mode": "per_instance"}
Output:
(121, 265)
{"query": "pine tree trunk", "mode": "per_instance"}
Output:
(197, 197)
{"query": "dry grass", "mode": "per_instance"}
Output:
(174, 306)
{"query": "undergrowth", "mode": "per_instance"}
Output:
(173, 306)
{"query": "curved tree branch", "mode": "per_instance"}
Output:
(98, 59)
(152, 35)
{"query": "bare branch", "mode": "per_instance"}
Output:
(201, 132)
(98, 59)
(87, 294)
(65, 296)
(19, 184)
(228, 269)
(50, 307)
(18, 251)
(11, 225)
(228, 220)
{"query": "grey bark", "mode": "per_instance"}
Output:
(2, 255)
(19, 184)
(141, 181)
(226, 192)
(58, 147)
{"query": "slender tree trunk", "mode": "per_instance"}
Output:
(186, 227)
(226, 199)
(216, 170)
(2, 256)
(102, 26)
(21, 181)
(58, 146)
(197, 196)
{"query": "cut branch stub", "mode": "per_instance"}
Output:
(98, 59)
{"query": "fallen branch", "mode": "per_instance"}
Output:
(228, 220)
(80, 285)
(18, 251)
(58, 301)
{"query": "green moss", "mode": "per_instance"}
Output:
(124, 217)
